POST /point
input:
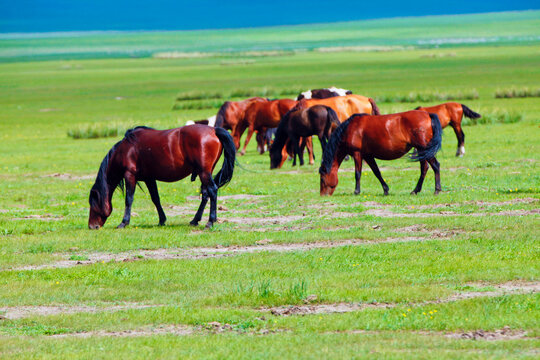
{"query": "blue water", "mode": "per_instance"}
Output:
(36, 16)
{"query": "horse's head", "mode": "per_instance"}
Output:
(100, 208)
(276, 157)
(329, 181)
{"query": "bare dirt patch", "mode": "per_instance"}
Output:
(65, 176)
(231, 197)
(43, 217)
(269, 220)
(501, 334)
(421, 228)
(19, 312)
(389, 214)
(501, 289)
(203, 253)
(179, 330)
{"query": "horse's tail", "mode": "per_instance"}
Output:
(220, 117)
(229, 151)
(469, 113)
(434, 144)
(332, 121)
(374, 108)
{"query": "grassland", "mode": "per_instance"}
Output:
(415, 275)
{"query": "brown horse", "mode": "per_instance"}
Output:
(148, 155)
(259, 116)
(344, 106)
(452, 113)
(317, 120)
(231, 113)
(385, 137)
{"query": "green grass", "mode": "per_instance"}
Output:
(49, 174)
(517, 93)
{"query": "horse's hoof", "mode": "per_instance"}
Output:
(193, 223)
(209, 225)
(386, 193)
(121, 226)
(356, 192)
(436, 192)
(414, 192)
(162, 223)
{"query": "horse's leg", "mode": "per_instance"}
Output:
(424, 166)
(154, 195)
(460, 139)
(297, 151)
(295, 148)
(204, 200)
(309, 145)
(130, 182)
(436, 169)
(373, 165)
(357, 170)
(212, 193)
(251, 130)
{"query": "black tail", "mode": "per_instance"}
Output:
(469, 113)
(434, 144)
(331, 118)
(229, 155)
(374, 108)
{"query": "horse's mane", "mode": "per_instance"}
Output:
(417, 108)
(101, 180)
(220, 118)
(281, 135)
(332, 145)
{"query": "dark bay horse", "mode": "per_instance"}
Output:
(259, 116)
(323, 93)
(344, 106)
(317, 120)
(452, 113)
(385, 137)
(231, 113)
(148, 155)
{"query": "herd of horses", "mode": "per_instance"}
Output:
(346, 125)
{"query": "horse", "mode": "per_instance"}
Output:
(344, 106)
(452, 113)
(146, 154)
(232, 112)
(259, 116)
(385, 137)
(317, 120)
(211, 121)
(323, 93)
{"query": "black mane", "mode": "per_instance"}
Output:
(220, 118)
(100, 186)
(333, 143)
(130, 136)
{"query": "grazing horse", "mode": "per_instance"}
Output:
(317, 120)
(231, 113)
(259, 116)
(344, 106)
(452, 113)
(148, 155)
(323, 93)
(385, 137)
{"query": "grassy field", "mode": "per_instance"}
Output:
(286, 273)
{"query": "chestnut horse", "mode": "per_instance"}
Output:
(232, 112)
(317, 120)
(344, 106)
(259, 116)
(148, 155)
(452, 113)
(385, 137)
(323, 93)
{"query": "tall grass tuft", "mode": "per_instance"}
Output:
(496, 117)
(199, 95)
(98, 130)
(517, 93)
(415, 97)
